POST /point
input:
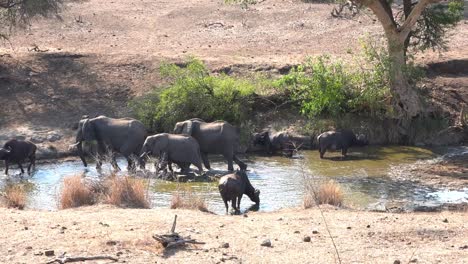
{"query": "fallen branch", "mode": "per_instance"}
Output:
(173, 239)
(63, 260)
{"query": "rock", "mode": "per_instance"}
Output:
(39, 253)
(445, 220)
(111, 243)
(377, 207)
(463, 247)
(53, 137)
(414, 260)
(119, 253)
(296, 232)
(245, 215)
(26, 228)
(266, 243)
(222, 225)
(306, 239)
(368, 226)
(47, 153)
(225, 245)
(397, 262)
(37, 139)
(315, 231)
(49, 253)
(28, 248)
(348, 227)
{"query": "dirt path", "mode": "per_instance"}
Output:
(361, 237)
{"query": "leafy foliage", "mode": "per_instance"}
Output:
(434, 24)
(193, 92)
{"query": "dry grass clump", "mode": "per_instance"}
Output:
(76, 192)
(127, 192)
(15, 196)
(187, 199)
(327, 193)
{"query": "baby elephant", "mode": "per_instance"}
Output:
(180, 149)
(17, 151)
(234, 186)
(340, 139)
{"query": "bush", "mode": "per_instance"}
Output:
(193, 92)
(15, 196)
(127, 192)
(187, 199)
(327, 193)
(76, 192)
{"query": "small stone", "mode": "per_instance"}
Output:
(37, 139)
(111, 243)
(222, 225)
(315, 232)
(348, 227)
(368, 226)
(245, 215)
(414, 260)
(119, 253)
(266, 243)
(397, 262)
(28, 248)
(306, 239)
(38, 253)
(280, 219)
(53, 137)
(225, 245)
(296, 232)
(445, 220)
(26, 228)
(205, 250)
(49, 253)
(463, 247)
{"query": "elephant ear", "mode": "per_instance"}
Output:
(187, 128)
(88, 130)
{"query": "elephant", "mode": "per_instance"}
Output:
(217, 137)
(118, 135)
(282, 141)
(17, 151)
(180, 149)
(339, 139)
(233, 186)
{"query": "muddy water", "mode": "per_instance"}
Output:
(366, 177)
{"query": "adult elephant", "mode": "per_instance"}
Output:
(282, 141)
(180, 149)
(116, 135)
(217, 137)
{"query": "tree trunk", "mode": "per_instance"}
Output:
(406, 100)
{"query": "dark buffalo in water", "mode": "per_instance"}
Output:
(17, 151)
(284, 142)
(233, 186)
(339, 140)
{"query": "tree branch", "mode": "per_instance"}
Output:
(383, 12)
(413, 17)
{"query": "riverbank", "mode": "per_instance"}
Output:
(126, 234)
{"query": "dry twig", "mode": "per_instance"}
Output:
(64, 259)
(173, 239)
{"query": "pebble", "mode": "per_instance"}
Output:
(315, 232)
(266, 243)
(296, 232)
(111, 243)
(414, 260)
(397, 262)
(368, 226)
(225, 245)
(49, 253)
(445, 220)
(348, 227)
(306, 239)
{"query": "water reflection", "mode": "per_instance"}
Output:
(363, 176)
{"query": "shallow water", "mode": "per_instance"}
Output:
(364, 178)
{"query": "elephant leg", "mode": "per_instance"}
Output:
(233, 204)
(226, 205)
(344, 152)
(6, 167)
(131, 165)
(100, 153)
(205, 160)
(33, 161)
(169, 164)
(114, 162)
(322, 152)
(238, 202)
(241, 164)
(21, 167)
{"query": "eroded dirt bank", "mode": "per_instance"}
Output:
(361, 237)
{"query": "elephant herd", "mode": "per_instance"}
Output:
(190, 143)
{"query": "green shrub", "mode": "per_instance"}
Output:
(193, 92)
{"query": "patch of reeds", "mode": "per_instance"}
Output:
(76, 192)
(186, 198)
(127, 192)
(326, 193)
(14, 196)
